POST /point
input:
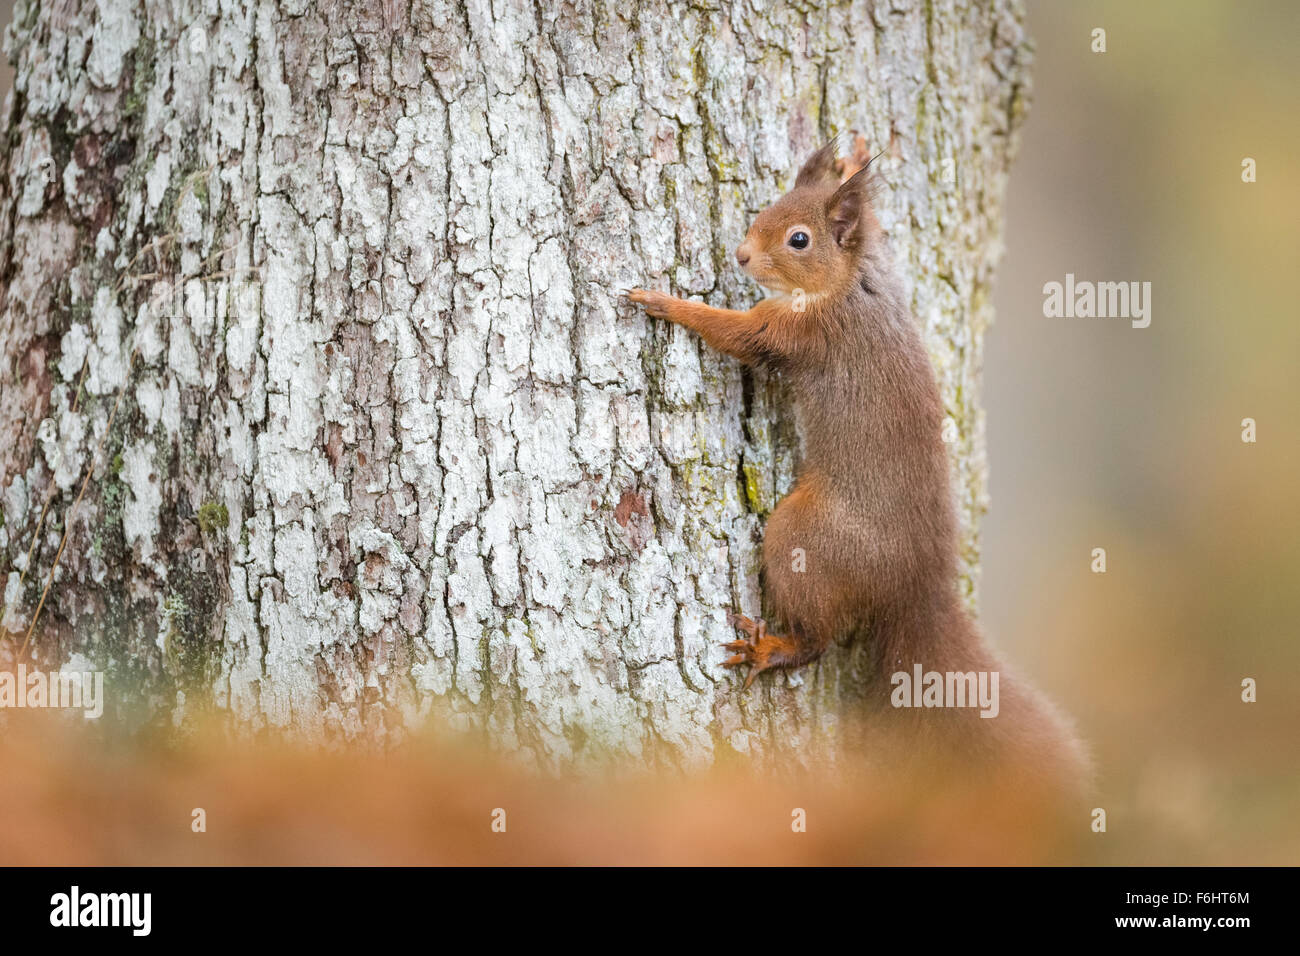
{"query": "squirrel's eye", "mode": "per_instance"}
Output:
(799, 240)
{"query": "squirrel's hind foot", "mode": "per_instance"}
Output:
(759, 649)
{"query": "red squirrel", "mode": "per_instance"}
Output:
(871, 512)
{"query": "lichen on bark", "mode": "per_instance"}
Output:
(390, 450)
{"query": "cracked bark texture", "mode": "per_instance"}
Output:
(390, 450)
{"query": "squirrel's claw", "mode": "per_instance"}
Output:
(756, 630)
(655, 303)
(749, 648)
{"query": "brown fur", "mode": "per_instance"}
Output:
(871, 509)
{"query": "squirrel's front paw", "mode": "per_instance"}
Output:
(655, 303)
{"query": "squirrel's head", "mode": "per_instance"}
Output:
(814, 237)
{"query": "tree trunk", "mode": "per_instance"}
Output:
(389, 449)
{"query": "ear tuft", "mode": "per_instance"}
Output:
(820, 169)
(847, 210)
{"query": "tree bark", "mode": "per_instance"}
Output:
(389, 449)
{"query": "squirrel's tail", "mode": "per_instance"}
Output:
(970, 712)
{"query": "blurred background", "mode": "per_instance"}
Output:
(1100, 435)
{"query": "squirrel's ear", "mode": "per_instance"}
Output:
(820, 167)
(847, 208)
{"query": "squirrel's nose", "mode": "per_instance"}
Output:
(742, 255)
